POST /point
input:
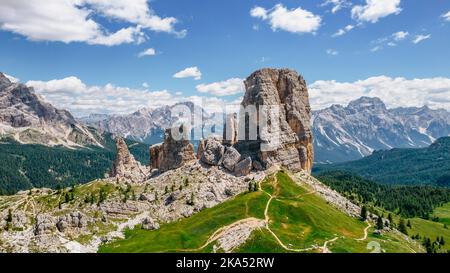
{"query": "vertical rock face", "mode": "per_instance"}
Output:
(125, 166)
(172, 154)
(230, 130)
(286, 89)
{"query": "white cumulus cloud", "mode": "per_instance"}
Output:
(343, 31)
(295, 20)
(446, 16)
(190, 72)
(337, 5)
(401, 35)
(374, 10)
(147, 52)
(76, 20)
(80, 99)
(420, 38)
(224, 88)
(395, 92)
(72, 94)
(332, 52)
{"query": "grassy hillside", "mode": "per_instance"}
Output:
(27, 166)
(296, 220)
(438, 226)
(426, 208)
(426, 166)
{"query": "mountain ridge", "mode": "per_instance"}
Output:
(28, 118)
(345, 133)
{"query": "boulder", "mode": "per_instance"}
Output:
(149, 197)
(213, 153)
(257, 165)
(231, 158)
(244, 167)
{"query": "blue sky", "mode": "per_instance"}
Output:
(225, 40)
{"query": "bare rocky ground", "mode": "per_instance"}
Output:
(80, 219)
(329, 195)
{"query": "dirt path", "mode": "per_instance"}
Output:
(324, 248)
(267, 220)
(253, 222)
(366, 233)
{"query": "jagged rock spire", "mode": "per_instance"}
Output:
(125, 166)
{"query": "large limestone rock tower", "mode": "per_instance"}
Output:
(287, 90)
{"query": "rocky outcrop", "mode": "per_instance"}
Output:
(125, 166)
(172, 153)
(201, 149)
(149, 224)
(72, 220)
(230, 130)
(44, 224)
(286, 89)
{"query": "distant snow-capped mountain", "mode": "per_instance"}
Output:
(27, 118)
(349, 133)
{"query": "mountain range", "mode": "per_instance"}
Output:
(340, 133)
(366, 125)
(42, 146)
(145, 125)
(27, 118)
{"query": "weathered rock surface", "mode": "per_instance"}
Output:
(201, 149)
(331, 196)
(26, 117)
(231, 158)
(244, 167)
(117, 209)
(230, 130)
(125, 166)
(44, 224)
(172, 153)
(284, 88)
(150, 224)
(72, 220)
(214, 151)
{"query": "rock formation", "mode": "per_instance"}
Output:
(213, 152)
(172, 153)
(231, 158)
(244, 167)
(230, 130)
(284, 88)
(125, 166)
